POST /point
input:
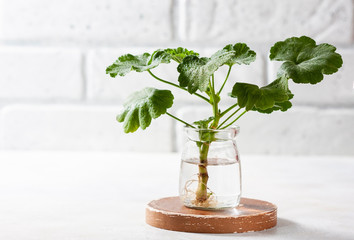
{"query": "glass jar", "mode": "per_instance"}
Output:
(210, 174)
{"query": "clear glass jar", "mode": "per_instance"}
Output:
(210, 174)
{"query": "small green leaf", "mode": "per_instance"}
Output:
(242, 55)
(195, 72)
(138, 63)
(203, 124)
(178, 54)
(304, 61)
(254, 98)
(142, 106)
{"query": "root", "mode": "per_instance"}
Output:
(210, 202)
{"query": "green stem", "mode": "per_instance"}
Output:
(213, 83)
(201, 195)
(177, 86)
(227, 76)
(227, 110)
(180, 120)
(215, 104)
(228, 118)
(234, 120)
(203, 177)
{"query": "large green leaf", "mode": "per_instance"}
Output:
(305, 62)
(138, 63)
(242, 55)
(268, 98)
(142, 106)
(195, 72)
(178, 54)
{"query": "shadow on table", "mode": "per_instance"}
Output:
(287, 229)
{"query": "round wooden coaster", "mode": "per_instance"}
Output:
(251, 215)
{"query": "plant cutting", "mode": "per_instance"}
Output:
(304, 62)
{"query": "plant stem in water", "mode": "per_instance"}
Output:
(203, 177)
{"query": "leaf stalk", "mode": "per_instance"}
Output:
(177, 86)
(227, 110)
(228, 125)
(227, 77)
(180, 120)
(228, 118)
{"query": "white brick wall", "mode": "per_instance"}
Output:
(268, 21)
(65, 127)
(40, 74)
(82, 21)
(55, 95)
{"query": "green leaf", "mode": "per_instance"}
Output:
(138, 63)
(178, 54)
(282, 106)
(203, 124)
(266, 98)
(304, 61)
(142, 106)
(242, 54)
(195, 72)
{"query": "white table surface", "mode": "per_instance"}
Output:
(102, 196)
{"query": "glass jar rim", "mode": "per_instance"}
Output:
(231, 128)
(201, 134)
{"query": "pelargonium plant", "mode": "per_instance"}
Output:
(304, 62)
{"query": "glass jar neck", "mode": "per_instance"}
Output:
(211, 135)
